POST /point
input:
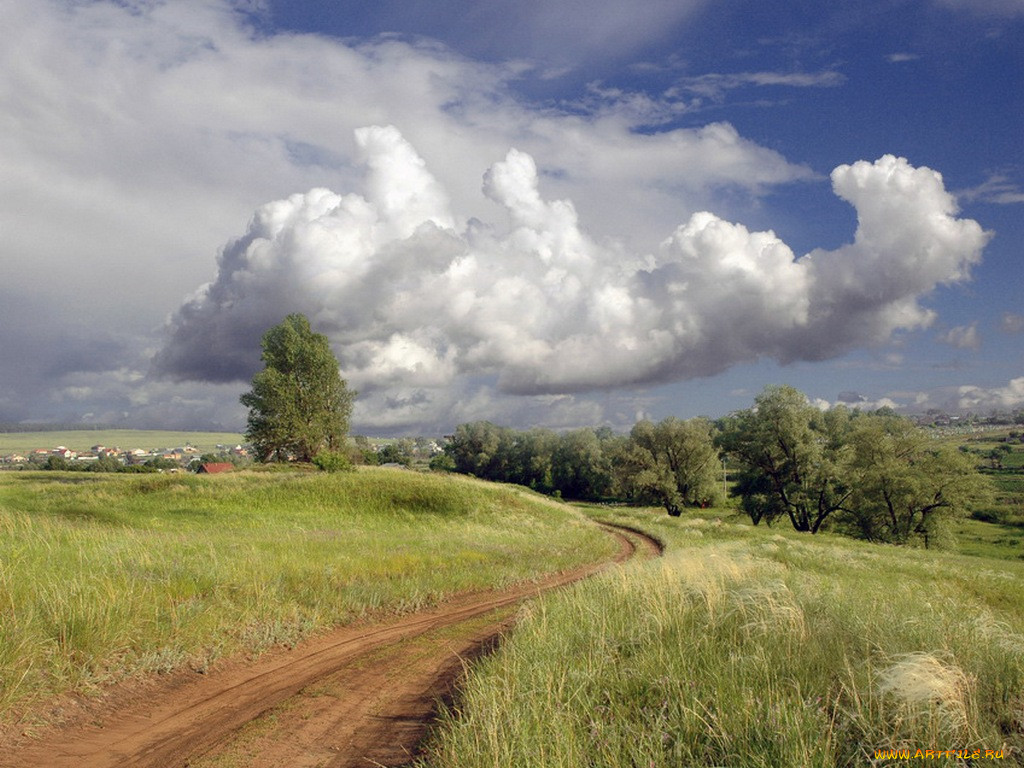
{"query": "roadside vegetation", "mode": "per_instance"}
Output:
(107, 576)
(745, 646)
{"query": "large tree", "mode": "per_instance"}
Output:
(793, 458)
(299, 404)
(672, 463)
(908, 486)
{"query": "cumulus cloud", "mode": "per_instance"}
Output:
(134, 133)
(129, 118)
(854, 400)
(973, 398)
(952, 399)
(962, 337)
(420, 303)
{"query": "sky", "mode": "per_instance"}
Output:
(561, 213)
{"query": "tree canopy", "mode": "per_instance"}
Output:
(575, 464)
(299, 404)
(672, 463)
(877, 475)
(908, 486)
(791, 458)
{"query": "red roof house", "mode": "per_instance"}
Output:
(213, 467)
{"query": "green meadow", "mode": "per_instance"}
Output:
(107, 576)
(749, 646)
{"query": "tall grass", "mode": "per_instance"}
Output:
(106, 576)
(744, 647)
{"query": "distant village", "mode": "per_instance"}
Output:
(189, 458)
(968, 423)
(186, 457)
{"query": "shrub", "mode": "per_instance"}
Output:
(332, 461)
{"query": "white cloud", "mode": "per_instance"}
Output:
(899, 58)
(134, 119)
(962, 337)
(973, 398)
(954, 399)
(714, 85)
(1011, 322)
(860, 403)
(137, 135)
(417, 301)
(998, 188)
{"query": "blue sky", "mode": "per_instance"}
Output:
(558, 213)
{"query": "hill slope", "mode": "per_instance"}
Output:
(108, 576)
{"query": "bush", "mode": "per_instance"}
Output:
(989, 515)
(442, 462)
(332, 461)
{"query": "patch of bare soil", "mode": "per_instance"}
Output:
(357, 696)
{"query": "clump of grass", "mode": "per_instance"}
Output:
(925, 686)
(109, 576)
(752, 648)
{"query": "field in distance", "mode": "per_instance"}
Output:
(108, 576)
(128, 439)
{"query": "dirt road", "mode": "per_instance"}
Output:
(357, 696)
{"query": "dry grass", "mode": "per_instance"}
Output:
(747, 647)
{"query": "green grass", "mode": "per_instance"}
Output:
(1015, 459)
(995, 540)
(107, 576)
(81, 440)
(752, 647)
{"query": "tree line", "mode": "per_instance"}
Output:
(872, 475)
(673, 463)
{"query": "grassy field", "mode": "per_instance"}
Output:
(128, 439)
(997, 540)
(997, 529)
(753, 647)
(108, 576)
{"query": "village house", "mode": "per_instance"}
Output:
(214, 467)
